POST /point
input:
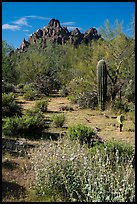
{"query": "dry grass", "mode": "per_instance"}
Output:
(93, 118)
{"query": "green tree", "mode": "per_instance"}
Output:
(8, 63)
(40, 66)
(118, 52)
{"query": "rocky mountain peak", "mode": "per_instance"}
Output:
(54, 23)
(58, 34)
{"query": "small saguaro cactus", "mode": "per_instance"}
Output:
(102, 83)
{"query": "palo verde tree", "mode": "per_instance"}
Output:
(41, 66)
(8, 63)
(118, 52)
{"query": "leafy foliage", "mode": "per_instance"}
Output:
(78, 86)
(120, 105)
(7, 87)
(46, 84)
(9, 105)
(81, 132)
(58, 119)
(9, 73)
(116, 151)
(87, 100)
(78, 174)
(29, 126)
(119, 53)
(30, 93)
(42, 105)
(130, 90)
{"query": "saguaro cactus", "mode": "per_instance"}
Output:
(102, 83)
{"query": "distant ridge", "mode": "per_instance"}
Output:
(60, 35)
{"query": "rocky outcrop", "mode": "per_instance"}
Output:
(24, 44)
(90, 34)
(58, 34)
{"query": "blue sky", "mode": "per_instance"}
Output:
(20, 19)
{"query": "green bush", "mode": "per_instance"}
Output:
(120, 105)
(7, 87)
(20, 86)
(42, 105)
(64, 92)
(68, 173)
(115, 151)
(130, 91)
(58, 119)
(131, 112)
(76, 87)
(46, 84)
(30, 126)
(73, 99)
(28, 87)
(30, 95)
(87, 100)
(9, 105)
(80, 132)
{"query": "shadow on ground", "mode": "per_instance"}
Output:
(19, 147)
(10, 165)
(53, 135)
(11, 189)
(15, 147)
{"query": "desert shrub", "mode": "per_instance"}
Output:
(131, 113)
(78, 86)
(120, 105)
(7, 87)
(58, 119)
(33, 111)
(9, 105)
(66, 172)
(64, 92)
(30, 95)
(46, 84)
(122, 150)
(115, 151)
(72, 98)
(130, 91)
(80, 132)
(28, 87)
(132, 116)
(42, 105)
(20, 86)
(87, 100)
(30, 126)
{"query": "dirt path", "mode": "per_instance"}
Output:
(56, 103)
